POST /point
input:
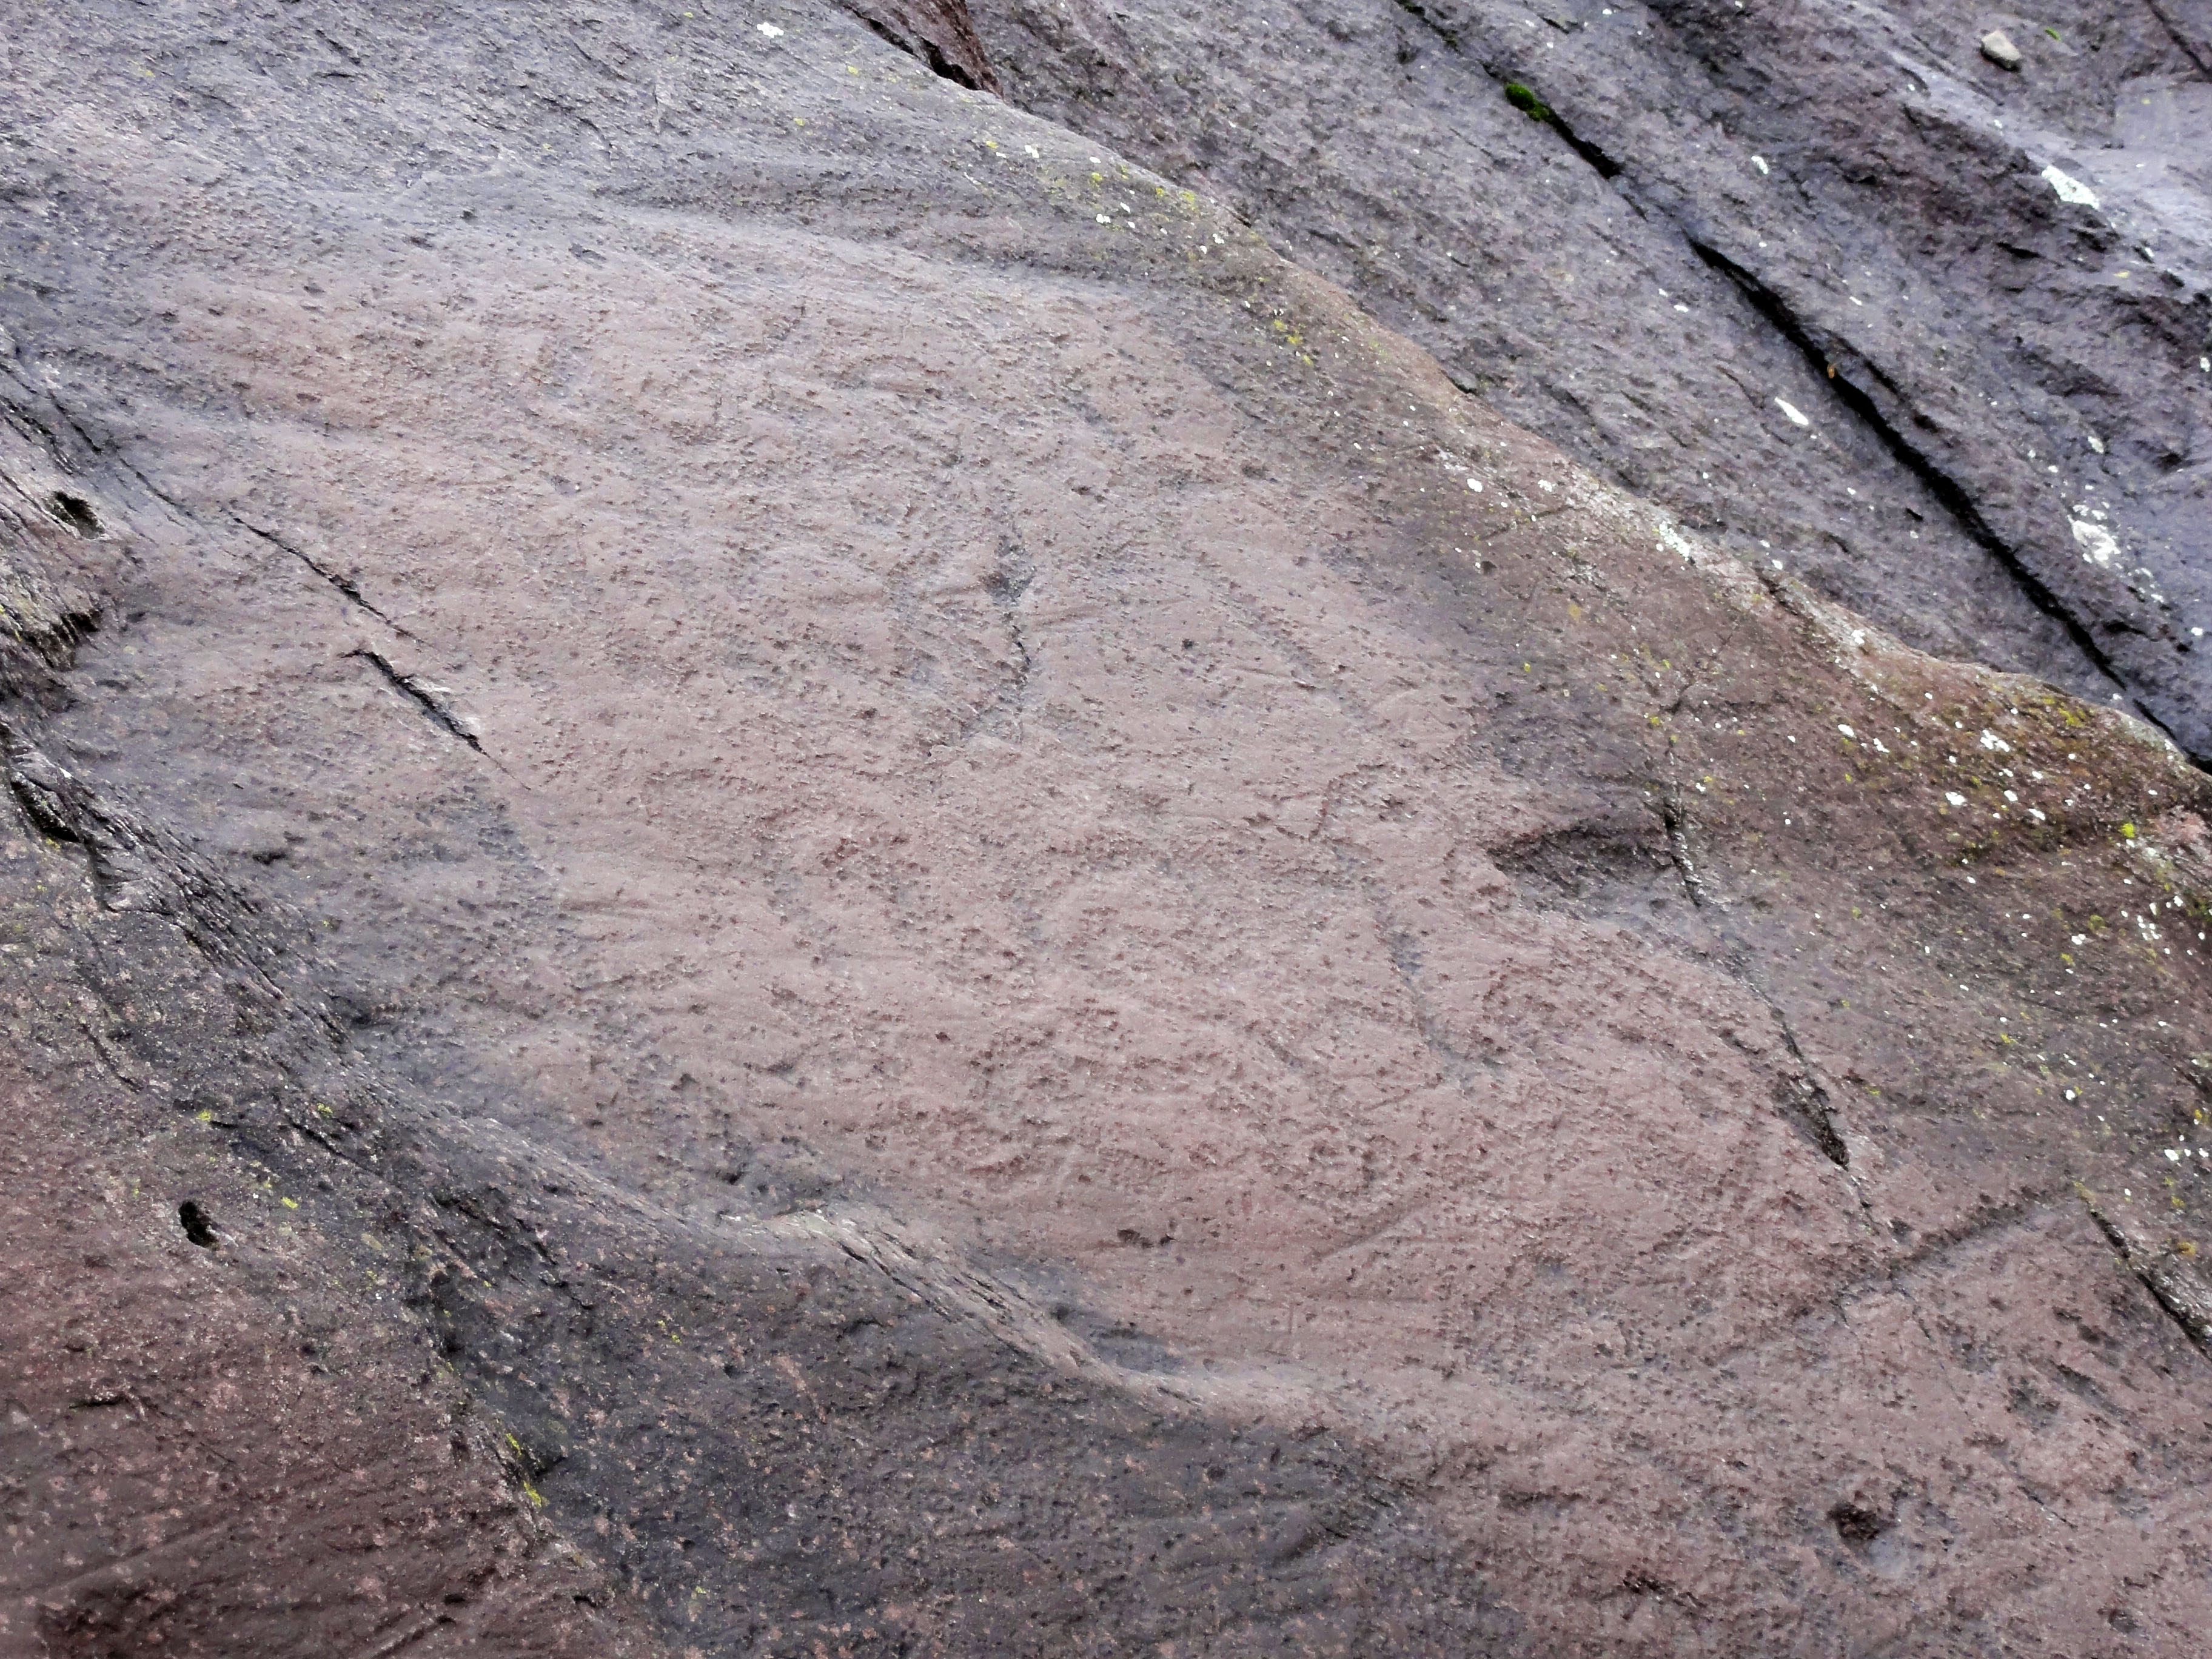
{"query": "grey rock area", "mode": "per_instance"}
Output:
(1728, 207)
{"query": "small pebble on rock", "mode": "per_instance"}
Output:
(1998, 48)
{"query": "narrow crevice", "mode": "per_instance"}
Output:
(51, 438)
(344, 585)
(87, 525)
(1678, 851)
(431, 700)
(1521, 97)
(1948, 492)
(2175, 1283)
(1813, 1106)
(1524, 98)
(959, 59)
(1808, 1100)
(1606, 167)
(133, 867)
(2189, 48)
(1418, 13)
(926, 51)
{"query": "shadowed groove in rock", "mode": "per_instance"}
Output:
(435, 701)
(1739, 82)
(1946, 489)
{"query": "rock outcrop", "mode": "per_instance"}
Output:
(796, 869)
(1822, 279)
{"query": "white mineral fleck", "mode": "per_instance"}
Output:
(2070, 189)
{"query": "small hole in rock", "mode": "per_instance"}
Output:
(76, 513)
(197, 1225)
(1857, 1525)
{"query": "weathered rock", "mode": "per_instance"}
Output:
(939, 33)
(1729, 205)
(1070, 999)
(1998, 48)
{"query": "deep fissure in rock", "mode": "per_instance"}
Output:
(423, 696)
(1949, 494)
(1948, 491)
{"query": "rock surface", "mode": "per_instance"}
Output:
(880, 897)
(1988, 297)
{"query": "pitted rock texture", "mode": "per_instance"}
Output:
(913, 907)
(1820, 278)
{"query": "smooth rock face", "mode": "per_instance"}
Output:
(881, 897)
